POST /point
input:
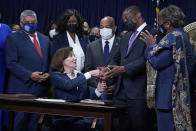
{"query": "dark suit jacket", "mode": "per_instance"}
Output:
(133, 81)
(66, 88)
(61, 41)
(22, 59)
(95, 57)
(72, 89)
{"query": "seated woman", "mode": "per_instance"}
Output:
(71, 85)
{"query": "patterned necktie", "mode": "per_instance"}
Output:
(131, 41)
(106, 51)
(36, 44)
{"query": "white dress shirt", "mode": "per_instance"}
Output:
(87, 76)
(36, 38)
(78, 51)
(111, 41)
(139, 29)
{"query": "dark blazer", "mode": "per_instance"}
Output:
(22, 59)
(94, 54)
(133, 81)
(95, 57)
(71, 89)
(61, 40)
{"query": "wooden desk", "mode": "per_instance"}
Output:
(63, 109)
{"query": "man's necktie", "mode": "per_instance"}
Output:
(106, 51)
(131, 41)
(36, 44)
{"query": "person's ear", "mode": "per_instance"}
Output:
(167, 24)
(21, 24)
(114, 29)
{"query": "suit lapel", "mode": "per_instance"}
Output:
(135, 41)
(126, 43)
(65, 40)
(31, 44)
(112, 52)
(41, 44)
(132, 46)
(100, 51)
(82, 43)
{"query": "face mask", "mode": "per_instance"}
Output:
(52, 33)
(130, 25)
(30, 28)
(13, 31)
(93, 38)
(162, 29)
(106, 33)
(72, 28)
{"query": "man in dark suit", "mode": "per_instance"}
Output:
(100, 52)
(129, 65)
(27, 60)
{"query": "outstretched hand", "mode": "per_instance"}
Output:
(95, 73)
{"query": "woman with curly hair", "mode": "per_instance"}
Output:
(70, 28)
(170, 63)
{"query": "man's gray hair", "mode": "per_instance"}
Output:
(27, 13)
(173, 14)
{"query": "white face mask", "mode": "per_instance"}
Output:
(106, 33)
(52, 33)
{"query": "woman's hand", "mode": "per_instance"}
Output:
(148, 38)
(95, 73)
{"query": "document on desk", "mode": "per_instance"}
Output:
(50, 100)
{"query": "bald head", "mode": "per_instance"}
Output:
(108, 22)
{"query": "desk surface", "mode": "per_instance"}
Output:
(31, 105)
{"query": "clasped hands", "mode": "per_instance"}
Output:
(39, 76)
(107, 73)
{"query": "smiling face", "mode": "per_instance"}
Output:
(70, 62)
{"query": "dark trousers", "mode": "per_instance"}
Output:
(136, 117)
(74, 124)
(25, 121)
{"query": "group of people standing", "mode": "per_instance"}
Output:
(144, 68)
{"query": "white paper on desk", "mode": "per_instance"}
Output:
(50, 100)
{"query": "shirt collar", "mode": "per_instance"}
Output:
(139, 29)
(35, 35)
(75, 73)
(111, 40)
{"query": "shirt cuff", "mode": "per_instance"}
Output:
(97, 93)
(87, 75)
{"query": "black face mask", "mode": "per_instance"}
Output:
(162, 29)
(72, 28)
(93, 38)
(130, 25)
